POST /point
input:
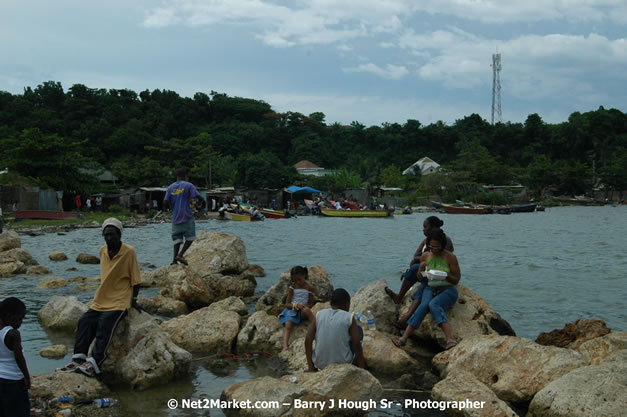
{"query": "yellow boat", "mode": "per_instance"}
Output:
(355, 213)
(243, 217)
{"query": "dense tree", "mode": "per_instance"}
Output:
(143, 136)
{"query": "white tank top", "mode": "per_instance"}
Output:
(8, 366)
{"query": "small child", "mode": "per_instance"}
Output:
(299, 302)
(14, 376)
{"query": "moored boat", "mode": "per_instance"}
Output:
(241, 217)
(524, 208)
(451, 209)
(355, 213)
(273, 214)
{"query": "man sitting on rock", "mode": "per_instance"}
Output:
(119, 286)
(337, 334)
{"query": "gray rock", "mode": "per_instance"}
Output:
(595, 390)
(57, 256)
(463, 388)
(9, 240)
(38, 270)
(205, 330)
(62, 313)
(513, 367)
(141, 355)
(85, 258)
(52, 282)
(218, 252)
(12, 268)
(17, 254)
(55, 351)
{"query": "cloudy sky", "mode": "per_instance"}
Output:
(371, 61)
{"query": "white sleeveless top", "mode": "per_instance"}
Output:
(8, 366)
(300, 296)
(332, 338)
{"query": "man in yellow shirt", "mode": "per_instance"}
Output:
(119, 286)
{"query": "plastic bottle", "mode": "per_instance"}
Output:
(371, 324)
(104, 402)
(64, 399)
(361, 318)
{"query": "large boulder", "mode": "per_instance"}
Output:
(478, 399)
(141, 355)
(327, 387)
(373, 297)
(232, 303)
(596, 350)
(218, 252)
(163, 306)
(470, 317)
(513, 367)
(55, 384)
(574, 334)
(61, 313)
(12, 268)
(262, 332)
(85, 258)
(17, 254)
(9, 240)
(162, 277)
(200, 290)
(209, 329)
(191, 289)
(595, 390)
(52, 282)
(273, 301)
(382, 357)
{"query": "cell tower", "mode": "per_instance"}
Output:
(496, 87)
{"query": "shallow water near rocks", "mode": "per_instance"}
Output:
(539, 271)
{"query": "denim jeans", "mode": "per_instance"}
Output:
(444, 300)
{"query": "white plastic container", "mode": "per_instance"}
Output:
(437, 274)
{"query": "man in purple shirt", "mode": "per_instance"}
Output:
(179, 197)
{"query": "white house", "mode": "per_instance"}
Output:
(305, 167)
(425, 165)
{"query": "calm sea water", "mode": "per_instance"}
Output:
(538, 270)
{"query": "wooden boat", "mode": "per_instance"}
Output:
(524, 208)
(405, 210)
(241, 217)
(273, 214)
(355, 213)
(451, 209)
(436, 204)
(44, 214)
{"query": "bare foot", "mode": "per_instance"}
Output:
(285, 348)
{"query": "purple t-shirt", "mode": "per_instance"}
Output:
(179, 195)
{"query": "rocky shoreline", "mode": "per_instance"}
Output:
(575, 371)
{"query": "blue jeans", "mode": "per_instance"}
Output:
(444, 300)
(411, 275)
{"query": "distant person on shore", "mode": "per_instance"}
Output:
(336, 332)
(298, 302)
(439, 294)
(14, 375)
(179, 197)
(79, 203)
(14, 206)
(410, 277)
(99, 203)
(117, 293)
(88, 204)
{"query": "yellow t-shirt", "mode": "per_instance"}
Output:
(117, 278)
